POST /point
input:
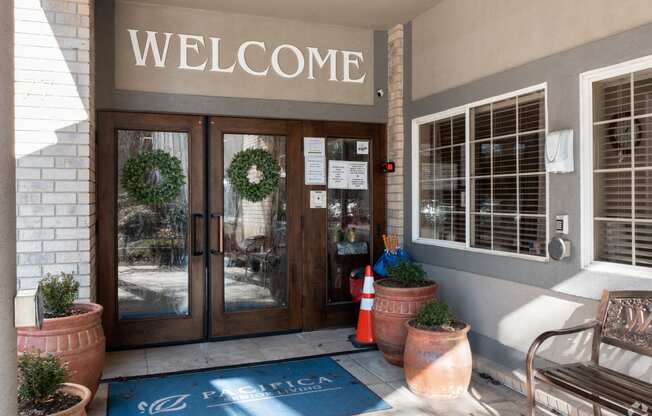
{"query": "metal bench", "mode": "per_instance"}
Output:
(624, 321)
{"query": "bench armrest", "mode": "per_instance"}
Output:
(594, 325)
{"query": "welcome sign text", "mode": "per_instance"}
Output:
(151, 48)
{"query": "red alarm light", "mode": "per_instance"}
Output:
(389, 167)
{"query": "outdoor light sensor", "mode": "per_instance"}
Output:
(559, 151)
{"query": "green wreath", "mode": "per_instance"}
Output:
(165, 171)
(240, 172)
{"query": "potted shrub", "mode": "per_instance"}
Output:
(43, 391)
(437, 360)
(71, 331)
(397, 300)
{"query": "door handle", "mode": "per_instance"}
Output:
(193, 236)
(220, 234)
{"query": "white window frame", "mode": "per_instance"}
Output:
(587, 79)
(466, 110)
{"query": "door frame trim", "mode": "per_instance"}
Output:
(321, 314)
(287, 318)
(130, 332)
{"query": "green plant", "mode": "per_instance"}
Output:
(239, 171)
(39, 377)
(408, 274)
(59, 294)
(434, 314)
(153, 178)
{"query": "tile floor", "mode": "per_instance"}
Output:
(224, 353)
(483, 397)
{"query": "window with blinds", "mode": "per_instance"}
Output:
(442, 183)
(500, 204)
(622, 169)
(508, 179)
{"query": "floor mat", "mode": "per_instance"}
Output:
(317, 386)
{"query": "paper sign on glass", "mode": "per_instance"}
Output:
(362, 147)
(358, 175)
(338, 174)
(344, 174)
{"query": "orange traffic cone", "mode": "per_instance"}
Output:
(364, 334)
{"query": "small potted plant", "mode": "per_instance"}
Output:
(437, 361)
(43, 390)
(71, 331)
(397, 300)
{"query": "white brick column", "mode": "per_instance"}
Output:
(54, 140)
(7, 216)
(395, 136)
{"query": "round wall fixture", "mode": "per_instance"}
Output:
(559, 248)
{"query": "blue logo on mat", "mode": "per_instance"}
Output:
(308, 387)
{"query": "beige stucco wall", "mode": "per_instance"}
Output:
(459, 41)
(233, 30)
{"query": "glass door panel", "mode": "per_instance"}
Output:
(153, 279)
(255, 233)
(349, 217)
(253, 239)
(150, 180)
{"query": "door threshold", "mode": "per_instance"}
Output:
(245, 365)
(204, 340)
(227, 353)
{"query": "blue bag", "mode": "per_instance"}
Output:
(389, 259)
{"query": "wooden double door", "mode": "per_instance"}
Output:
(186, 252)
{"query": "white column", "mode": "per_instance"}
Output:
(7, 213)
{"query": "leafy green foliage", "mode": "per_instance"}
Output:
(39, 377)
(59, 294)
(238, 173)
(434, 314)
(408, 274)
(135, 175)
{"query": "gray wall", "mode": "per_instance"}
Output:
(108, 98)
(509, 301)
(561, 72)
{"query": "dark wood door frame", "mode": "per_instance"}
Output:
(316, 312)
(127, 333)
(307, 239)
(265, 320)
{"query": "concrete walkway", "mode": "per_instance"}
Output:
(386, 380)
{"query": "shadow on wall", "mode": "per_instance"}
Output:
(53, 146)
(506, 317)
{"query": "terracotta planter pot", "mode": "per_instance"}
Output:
(393, 307)
(80, 408)
(438, 364)
(78, 340)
